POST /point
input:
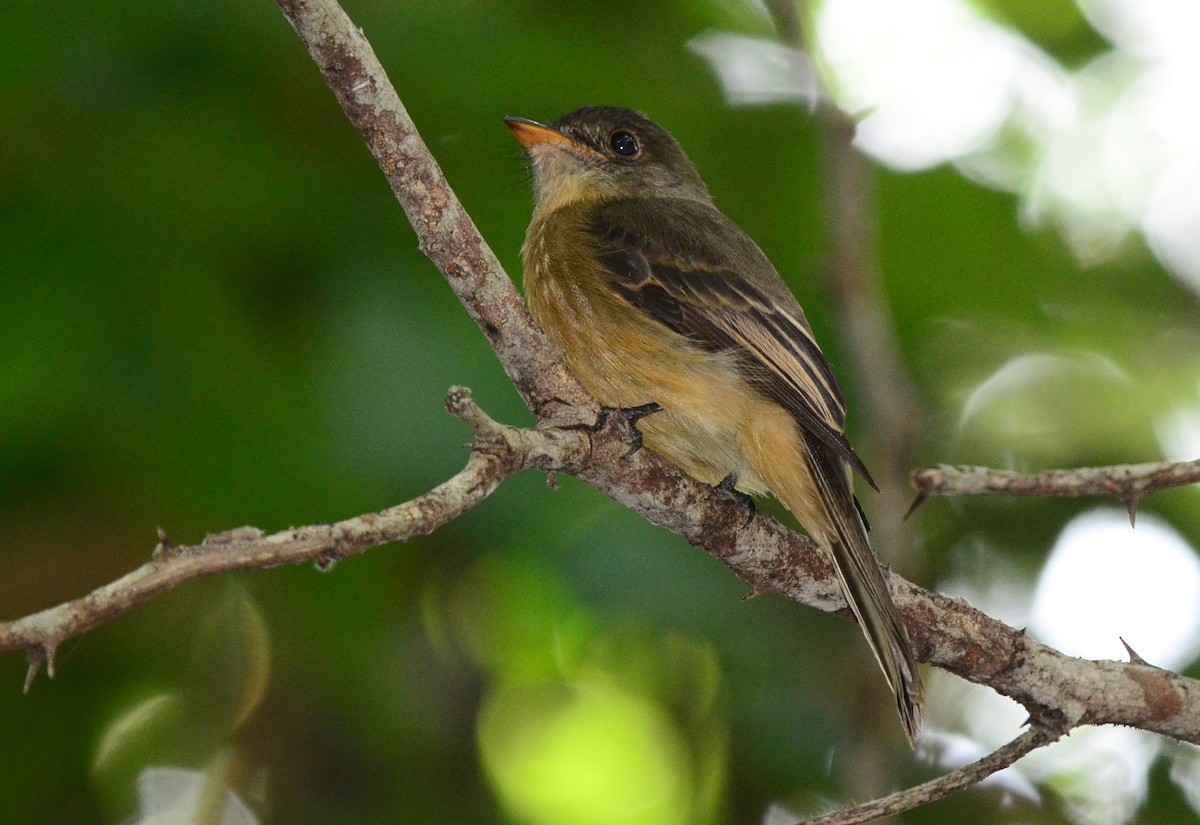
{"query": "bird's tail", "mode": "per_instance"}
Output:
(839, 528)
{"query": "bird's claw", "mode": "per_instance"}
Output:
(729, 485)
(630, 416)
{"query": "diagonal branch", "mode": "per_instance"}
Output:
(445, 231)
(943, 786)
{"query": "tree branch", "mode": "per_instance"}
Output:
(1059, 691)
(498, 451)
(943, 786)
(1127, 483)
(446, 233)
(573, 435)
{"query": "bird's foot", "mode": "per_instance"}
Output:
(629, 416)
(729, 485)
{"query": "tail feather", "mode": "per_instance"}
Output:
(864, 585)
(813, 481)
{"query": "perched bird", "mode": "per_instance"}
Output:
(655, 296)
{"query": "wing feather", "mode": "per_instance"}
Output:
(681, 279)
(681, 283)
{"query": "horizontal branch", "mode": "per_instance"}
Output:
(1127, 483)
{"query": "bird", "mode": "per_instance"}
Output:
(659, 301)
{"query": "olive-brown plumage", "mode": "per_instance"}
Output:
(654, 295)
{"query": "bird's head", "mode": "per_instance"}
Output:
(605, 153)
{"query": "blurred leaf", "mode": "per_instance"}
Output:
(132, 730)
(233, 656)
(584, 754)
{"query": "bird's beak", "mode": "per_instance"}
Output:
(532, 134)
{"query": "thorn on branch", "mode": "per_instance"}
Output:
(35, 665)
(1134, 658)
(1131, 505)
(917, 502)
(324, 562)
(38, 655)
(165, 546)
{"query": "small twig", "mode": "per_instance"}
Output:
(943, 786)
(1127, 483)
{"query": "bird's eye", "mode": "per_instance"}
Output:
(624, 143)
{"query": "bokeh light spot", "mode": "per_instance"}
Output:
(562, 753)
(1104, 580)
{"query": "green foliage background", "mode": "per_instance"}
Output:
(215, 314)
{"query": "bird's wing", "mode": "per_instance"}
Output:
(686, 276)
(703, 278)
